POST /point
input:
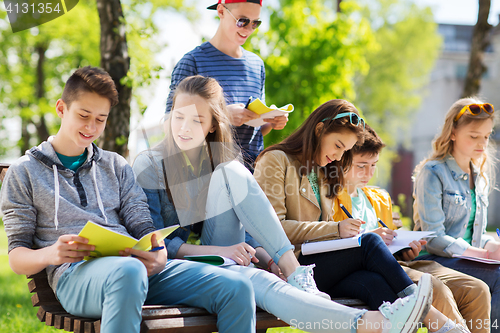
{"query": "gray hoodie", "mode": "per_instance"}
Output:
(42, 200)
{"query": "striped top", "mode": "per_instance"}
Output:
(240, 78)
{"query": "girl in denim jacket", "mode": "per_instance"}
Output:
(451, 196)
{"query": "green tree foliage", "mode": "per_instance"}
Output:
(312, 54)
(34, 64)
(400, 67)
(143, 41)
(377, 54)
(399, 70)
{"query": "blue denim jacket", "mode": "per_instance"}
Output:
(443, 203)
(148, 169)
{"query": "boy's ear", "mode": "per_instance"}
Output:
(60, 107)
(318, 129)
(220, 10)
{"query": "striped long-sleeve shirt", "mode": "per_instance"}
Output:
(240, 78)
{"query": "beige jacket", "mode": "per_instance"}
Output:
(293, 199)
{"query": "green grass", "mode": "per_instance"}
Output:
(17, 314)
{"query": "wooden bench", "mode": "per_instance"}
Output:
(3, 170)
(155, 318)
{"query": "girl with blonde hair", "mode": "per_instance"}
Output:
(451, 195)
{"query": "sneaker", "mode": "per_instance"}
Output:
(405, 314)
(303, 279)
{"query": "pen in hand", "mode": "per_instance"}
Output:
(360, 230)
(498, 233)
(346, 211)
(248, 102)
(158, 248)
(382, 223)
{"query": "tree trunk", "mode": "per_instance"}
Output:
(480, 41)
(41, 127)
(25, 135)
(338, 6)
(115, 60)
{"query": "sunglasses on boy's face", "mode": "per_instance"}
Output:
(475, 109)
(243, 22)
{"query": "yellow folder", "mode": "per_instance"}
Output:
(109, 243)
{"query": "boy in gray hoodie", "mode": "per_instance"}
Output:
(50, 193)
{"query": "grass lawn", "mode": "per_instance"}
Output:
(17, 314)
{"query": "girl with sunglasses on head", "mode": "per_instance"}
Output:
(301, 177)
(451, 195)
(194, 175)
(240, 73)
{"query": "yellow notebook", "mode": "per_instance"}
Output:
(266, 112)
(108, 242)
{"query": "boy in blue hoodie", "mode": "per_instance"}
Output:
(50, 193)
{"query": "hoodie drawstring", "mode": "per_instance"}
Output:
(56, 195)
(99, 201)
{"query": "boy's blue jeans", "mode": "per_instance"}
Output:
(115, 288)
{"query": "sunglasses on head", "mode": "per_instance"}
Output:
(243, 22)
(355, 119)
(475, 109)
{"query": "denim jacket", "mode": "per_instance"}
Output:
(148, 169)
(443, 203)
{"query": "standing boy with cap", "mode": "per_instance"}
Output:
(240, 73)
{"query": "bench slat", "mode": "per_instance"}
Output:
(79, 324)
(3, 170)
(50, 317)
(38, 284)
(200, 324)
(351, 302)
(171, 311)
(88, 327)
(44, 297)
